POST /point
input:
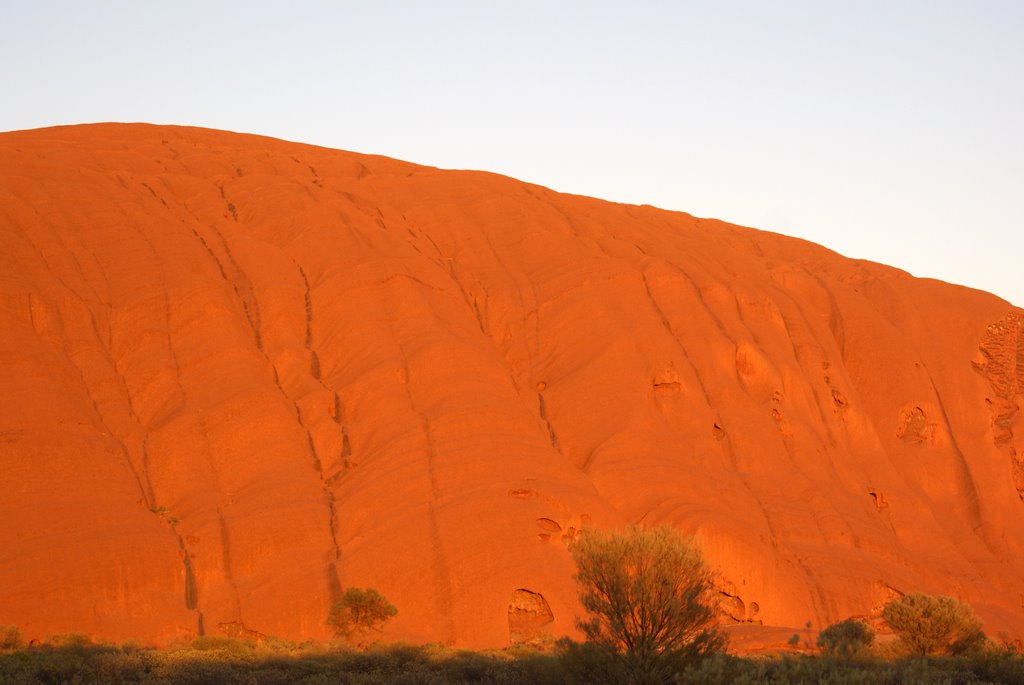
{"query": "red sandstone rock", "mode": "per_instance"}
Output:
(239, 373)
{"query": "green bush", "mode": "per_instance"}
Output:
(846, 638)
(927, 624)
(359, 610)
(648, 595)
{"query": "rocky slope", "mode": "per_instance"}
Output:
(240, 373)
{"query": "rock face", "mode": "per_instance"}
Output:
(240, 374)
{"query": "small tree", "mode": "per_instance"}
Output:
(359, 610)
(648, 596)
(846, 638)
(927, 624)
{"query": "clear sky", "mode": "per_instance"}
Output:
(891, 131)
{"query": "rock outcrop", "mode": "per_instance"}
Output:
(240, 374)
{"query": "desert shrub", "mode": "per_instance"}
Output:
(996, 666)
(194, 670)
(65, 659)
(10, 637)
(70, 641)
(430, 665)
(730, 670)
(927, 624)
(815, 670)
(359, 610)
(846, 638)
(648, 596)
(973, 643)
(211, 643)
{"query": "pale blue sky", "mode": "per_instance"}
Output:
(891, 131)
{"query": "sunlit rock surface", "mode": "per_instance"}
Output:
(239, 374)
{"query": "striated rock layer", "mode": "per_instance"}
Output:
(240, 374)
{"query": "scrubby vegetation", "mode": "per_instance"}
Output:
(928, 624)
(649, 623)
(222, 661)
(1002, 667)
(846, 639)
(10, 638)
(650, 614)
(359, 611)
(74, 660)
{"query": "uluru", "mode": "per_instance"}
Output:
(240, 374)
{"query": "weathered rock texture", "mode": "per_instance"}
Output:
(239, 374)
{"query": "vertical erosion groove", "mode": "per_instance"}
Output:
(336, 412)
(245, 292)
(191, 592)
(816, 594)
(543, 408)
(445, 597)
(968, 486)
(333, 581)
(225, 545)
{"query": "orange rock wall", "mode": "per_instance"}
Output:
(241, 373)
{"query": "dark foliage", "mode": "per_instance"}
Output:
(359, 610)
(648, 595)
(929, 624)
(846, 639)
